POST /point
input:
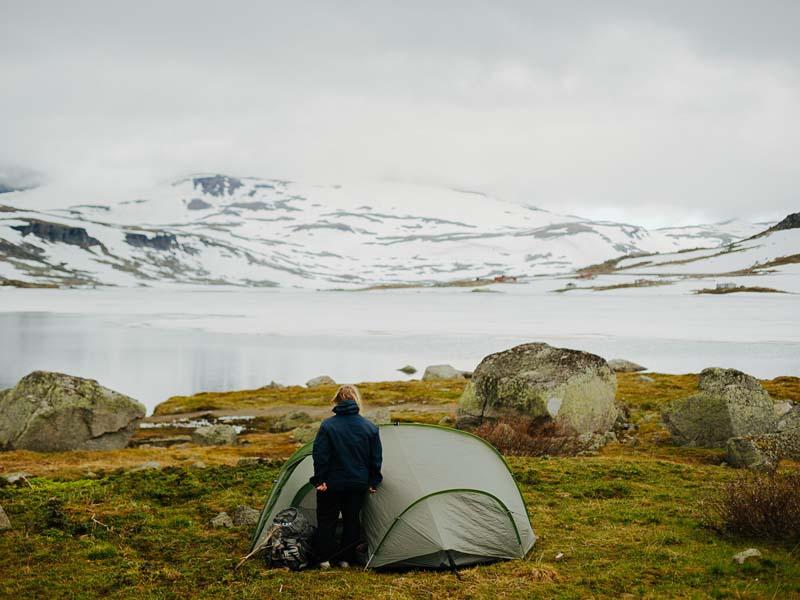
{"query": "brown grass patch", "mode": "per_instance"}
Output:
(528, 437)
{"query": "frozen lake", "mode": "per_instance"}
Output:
(154, 343)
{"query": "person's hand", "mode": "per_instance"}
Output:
(322, 487)
(372, 490)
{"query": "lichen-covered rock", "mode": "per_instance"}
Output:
(290, 421)
(215, 435)
(728, 404)
(789, 419)
(18, 479)
(763, 452)
(620, 365)
(245, 515)
(321, 380)
(574, 388)
(222, 520)
(50, 412)
(439, 372)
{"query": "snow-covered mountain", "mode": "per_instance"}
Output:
(217, 229)
(777, 247)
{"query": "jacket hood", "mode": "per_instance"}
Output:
(348, 407)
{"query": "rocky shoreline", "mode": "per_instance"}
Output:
(580, 394)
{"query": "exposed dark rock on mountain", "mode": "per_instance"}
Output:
(55, 232)
(161, 241)
(198, 204)
(217, 185)
(789, 222)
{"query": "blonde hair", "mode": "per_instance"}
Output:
(347, 392)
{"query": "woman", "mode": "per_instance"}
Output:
(347, 465)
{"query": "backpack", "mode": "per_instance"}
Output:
(290, 540)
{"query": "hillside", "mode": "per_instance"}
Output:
(217, 229)
(631, 521)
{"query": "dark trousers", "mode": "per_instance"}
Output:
(329, 505)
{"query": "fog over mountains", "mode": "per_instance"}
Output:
(248, 231)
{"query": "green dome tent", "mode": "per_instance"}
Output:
(447, 499)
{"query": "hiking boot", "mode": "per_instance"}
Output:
(325, 565)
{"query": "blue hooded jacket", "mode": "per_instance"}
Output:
(347, 451)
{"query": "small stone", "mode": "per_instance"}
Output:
(245, 515)
(17, 479)
(321, 380)
(620, 365)
(5, 523)
(560, 556)
(273, 385)
(745, 554)
(91, 475)
(150, 465)
(198, 465)
(248, 461)
(447, 421)
(440, 372)
(408, 370)
(222, 520)
(646, 379)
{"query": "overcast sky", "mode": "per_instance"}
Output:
(647, 112)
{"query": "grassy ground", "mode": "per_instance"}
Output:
(630, 523)
(374, 394)
(738, 289)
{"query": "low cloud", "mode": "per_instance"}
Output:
(623, 110)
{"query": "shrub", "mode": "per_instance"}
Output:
(758, 505)
(529, 437)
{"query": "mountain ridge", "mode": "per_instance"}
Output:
(211, 228)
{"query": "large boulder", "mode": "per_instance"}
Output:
(215, 435)
(50, 412)
(319, 381)
(574, 388)
(728, 404)
(620, 365)
(439, 372)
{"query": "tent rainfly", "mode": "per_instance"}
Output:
(447, 499)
